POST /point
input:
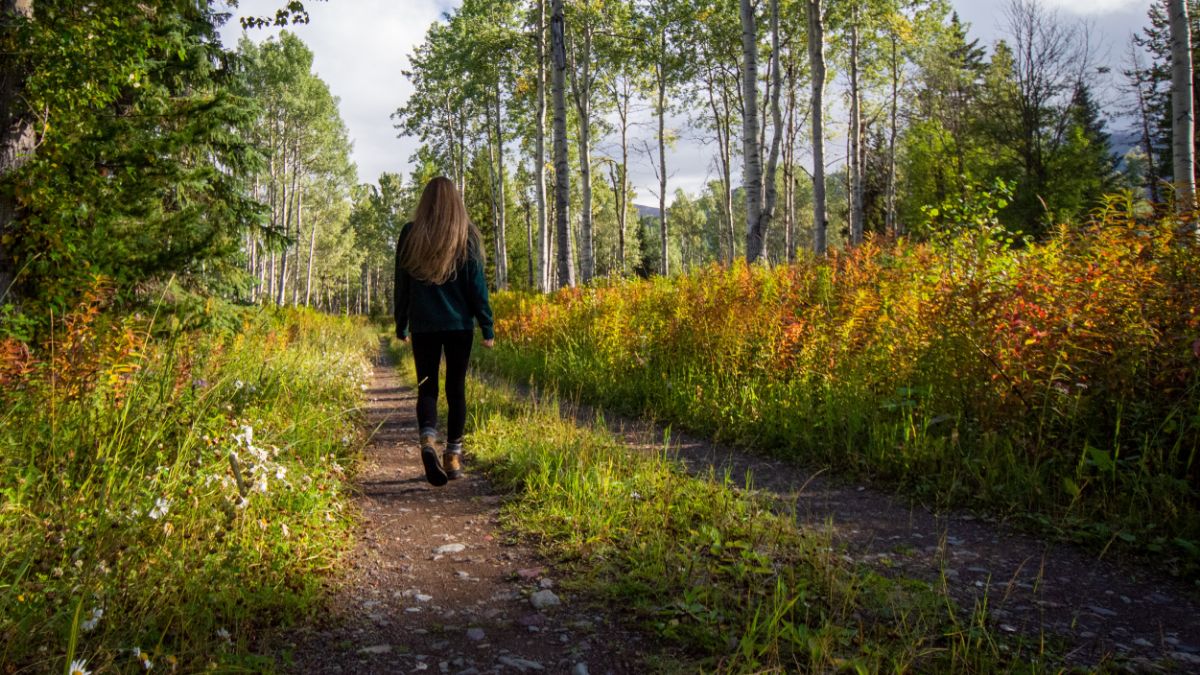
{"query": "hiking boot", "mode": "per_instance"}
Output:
(452, 460)
(429, 457)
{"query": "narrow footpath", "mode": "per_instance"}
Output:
(434, 585)
(1115, 614)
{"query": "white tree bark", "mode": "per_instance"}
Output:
(1182, 115)
(751, 158)
(562, 179)
(816, 57)
(661, 108)
(540, 159)
(581, 79)
(17, 144)
(855, 164)
(502, 228)
(760, 191)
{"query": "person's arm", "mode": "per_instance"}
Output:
(481, 308)
(401, 293)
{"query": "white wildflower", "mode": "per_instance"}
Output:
(224, 634)
(89, 624)
(238, 384)
(260, 485)
(78, 667)
(246, 438)
(161, 506)
(280, 472)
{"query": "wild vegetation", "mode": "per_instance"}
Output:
(1056, 382)
(172, 484)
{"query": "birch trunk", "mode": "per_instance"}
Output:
(751, 159)
(540, 159)
(816, 57)
(562, 180)
(1182, 115)
(789, 172)
(312, 248)
(501, 230)
(529, 242)
(770, 194)
(760, 191)
(856, 168)
(893, 227)
(17, 145)
(620, 179)
(582, 90)
(661, 73)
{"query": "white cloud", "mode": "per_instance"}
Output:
(360, 48)
(1094, 7)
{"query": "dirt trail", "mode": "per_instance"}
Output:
(1104, 611)
(434, 586)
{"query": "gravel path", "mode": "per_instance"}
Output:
(434, 585)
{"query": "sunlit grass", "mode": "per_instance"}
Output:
(127, 534)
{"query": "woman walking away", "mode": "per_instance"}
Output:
(440, 294)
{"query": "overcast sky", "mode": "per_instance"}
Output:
(361, 49)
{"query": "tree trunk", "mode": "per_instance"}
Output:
(891, 226)
(540, 160)
(582, 91)
(721, 127)
(17, 145)
(287, 211)
(1143, 111)
(789, 172)
(529, 242)
(856, 158)
(816, 57)
(760, 191)
(502, 230)
(751, 158)
(562, 180)
(1182, 115)
(770, 194)
(620, 172)
(312, 248)
(661, 71)
(495, 143)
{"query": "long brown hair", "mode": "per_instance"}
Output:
(441, 236)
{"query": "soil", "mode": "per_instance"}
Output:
(401, 603)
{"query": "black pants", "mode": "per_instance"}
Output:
(427, 349)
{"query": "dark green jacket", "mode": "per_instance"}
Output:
(455, 305)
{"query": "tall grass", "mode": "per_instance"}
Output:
(709, 567)
(167, 495)
(1057, 382)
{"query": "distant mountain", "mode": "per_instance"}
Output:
(647, 211)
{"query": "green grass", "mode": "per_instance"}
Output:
(715, 569)
(124, 522)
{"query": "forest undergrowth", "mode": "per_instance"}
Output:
(174, 482)
(1052, 382)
